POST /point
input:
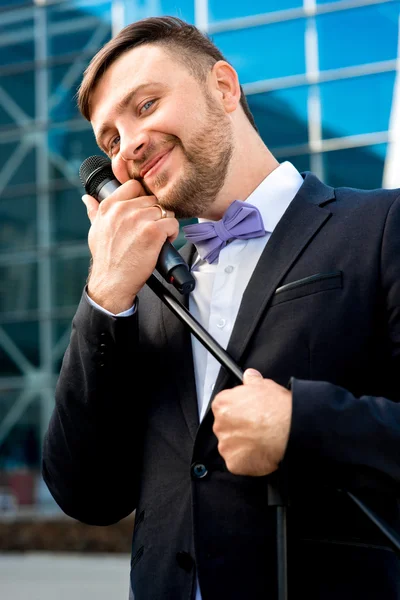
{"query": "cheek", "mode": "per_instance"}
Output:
(120, 170)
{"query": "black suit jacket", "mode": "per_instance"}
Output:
(322, 308)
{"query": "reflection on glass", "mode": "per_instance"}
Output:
(220, 11)
(18, 290)
(354, 37)
(134, 11)
(18, 223)
(281, 116)
(264, 52)
(70, 220)
(358, 105)
(355, 167)
(69, 277)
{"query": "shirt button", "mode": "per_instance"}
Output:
(199, 471)
(229, 269)
(221, 323)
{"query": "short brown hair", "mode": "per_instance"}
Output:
(197, 52)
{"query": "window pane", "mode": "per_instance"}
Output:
(21, 448)
(69, 277)
(356, 106)
(26, 337)
(219, 11)
(69, 149)
(301, 162)
(355, 167)
(19, 89)
(70, 220)
(18, 223)
(18, 290)
(23, 159)
(264, 52)
(281, 116)
(354, 37)
(184, 9)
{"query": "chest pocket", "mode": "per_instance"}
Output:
(313, 284)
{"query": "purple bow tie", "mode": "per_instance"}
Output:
(242, 221)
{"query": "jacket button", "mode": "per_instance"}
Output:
(199, 471)
(185, 561)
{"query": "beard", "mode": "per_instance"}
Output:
(207, 159)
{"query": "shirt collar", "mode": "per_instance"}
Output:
(274, 194)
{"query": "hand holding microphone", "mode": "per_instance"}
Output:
(128, 239)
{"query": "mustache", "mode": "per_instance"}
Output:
(152, 150)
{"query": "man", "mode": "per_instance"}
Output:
(145, 419)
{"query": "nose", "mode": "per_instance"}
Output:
(133, 145)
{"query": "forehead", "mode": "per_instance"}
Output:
(142, 65)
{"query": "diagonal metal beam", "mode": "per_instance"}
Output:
(13, 163)
(16, 411)
(76, 68)
(15, 111)
(15, 353)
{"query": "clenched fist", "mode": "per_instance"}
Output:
(252, 424)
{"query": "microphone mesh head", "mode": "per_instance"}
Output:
(93, 171)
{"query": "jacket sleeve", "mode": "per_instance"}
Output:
(91, 451)
(334, 428)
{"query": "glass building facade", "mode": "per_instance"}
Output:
(321, 79)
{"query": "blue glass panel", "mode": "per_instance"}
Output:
(219, 11)
(26, 337)
(20, 88)
(355, 167)
(76, 9)
(141, 9)
(61, 101)
(18, 290)
(353, 37)
(301, 162)
(68, 279)
(281, 116)
(17, 53)
(21, 448)
(18, 223)
(266, 52)
(24, 168)
(73, 147)
(70, 220)
(358, 105)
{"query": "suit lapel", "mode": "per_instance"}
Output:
(179, 336)
(302, 220)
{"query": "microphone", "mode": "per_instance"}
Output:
(99, 181)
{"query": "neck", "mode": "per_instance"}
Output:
(251, 163)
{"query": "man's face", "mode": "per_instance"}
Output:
(163, 127)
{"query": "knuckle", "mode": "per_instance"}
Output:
(133, 188)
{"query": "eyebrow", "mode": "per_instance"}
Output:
(121, 105)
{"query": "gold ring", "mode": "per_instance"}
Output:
(164, 213)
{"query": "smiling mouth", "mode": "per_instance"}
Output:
(154, 165)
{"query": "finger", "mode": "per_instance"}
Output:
(251, 376)
(162, 213)
(128, 190)
(92, 206)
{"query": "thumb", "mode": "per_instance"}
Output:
(92, 206)
(251, 376)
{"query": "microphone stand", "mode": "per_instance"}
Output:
(277, 486)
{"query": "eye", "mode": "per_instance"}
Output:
(145, 107)
(113, 143)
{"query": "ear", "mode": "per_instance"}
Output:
(226, 82)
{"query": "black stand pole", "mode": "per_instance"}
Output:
(276, 496)
(277, 488)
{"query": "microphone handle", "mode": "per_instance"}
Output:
(170, 264)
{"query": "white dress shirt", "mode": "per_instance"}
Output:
(219, 287)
